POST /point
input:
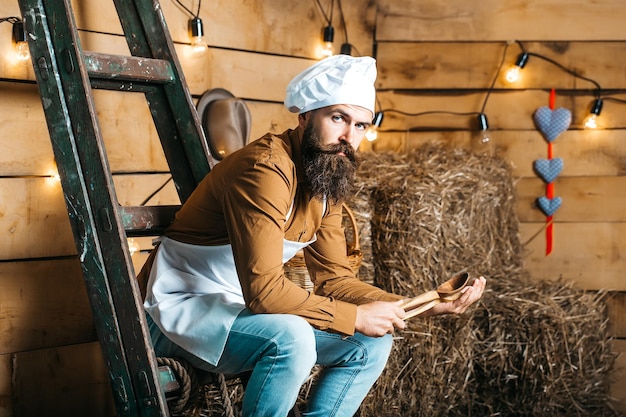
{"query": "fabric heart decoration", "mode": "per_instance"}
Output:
(548, 169)
(549, 205)
(551, 123)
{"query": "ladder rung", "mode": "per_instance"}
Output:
(128, 68)
(147, 220)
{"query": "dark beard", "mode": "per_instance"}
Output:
(327, 174)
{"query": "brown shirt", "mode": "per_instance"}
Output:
(245, 202)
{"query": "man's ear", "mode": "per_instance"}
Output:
(303, 119)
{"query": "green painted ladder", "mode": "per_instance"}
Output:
(66, 76)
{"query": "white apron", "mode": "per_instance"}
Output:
(194, 294)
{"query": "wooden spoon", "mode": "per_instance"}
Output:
(447, 291)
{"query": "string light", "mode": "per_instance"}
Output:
(346, 47)
(196, 32)
(484, 135)
(483, 143)
(195, 27)
(483, 125)
(513, 74)
(326, 48)
(591, 122)
(372, 132)
(19, 38)
(328, 38)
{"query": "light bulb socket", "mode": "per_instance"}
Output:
(522, 59)
(346, 49)
(483, 124)
(329, 33)
(19, 34)
(196, 28)
(378, 119)
(596, 107)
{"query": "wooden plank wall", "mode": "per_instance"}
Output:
(436, 55)
(432, 56)
(50, 361)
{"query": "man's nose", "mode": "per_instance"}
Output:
(349, 135)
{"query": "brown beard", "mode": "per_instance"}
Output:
(327, 173)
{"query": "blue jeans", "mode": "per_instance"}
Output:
(281, 350)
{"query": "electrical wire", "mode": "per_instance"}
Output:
(424, 113)
(343, 21)
(495, 78)
(188, 10)
(11, 19)
(329, 21)
(453, 113)
(155, 192)
(184, 7)
(614, 99)
(561, 66)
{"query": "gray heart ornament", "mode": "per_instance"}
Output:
(549, 205)
(551, 123)
(548, 169)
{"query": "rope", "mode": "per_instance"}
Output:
(189, 387)
(228, 406)
(187, 379)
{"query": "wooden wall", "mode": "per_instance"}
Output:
(431, 56)
(436, 55)
(50, 361)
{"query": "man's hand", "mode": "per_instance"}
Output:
(379, 318)
(471, 294)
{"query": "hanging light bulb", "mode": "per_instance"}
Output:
(591, 122)
(196, 32)
(19, 39)
(482, 143)
(514, 73)
(371, 134)
(328, 38)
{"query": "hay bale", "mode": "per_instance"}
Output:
(527, 349)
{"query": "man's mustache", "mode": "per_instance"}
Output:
(344, 148)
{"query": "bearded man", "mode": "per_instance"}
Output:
(217, 293)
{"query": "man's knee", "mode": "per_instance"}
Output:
(296, 334)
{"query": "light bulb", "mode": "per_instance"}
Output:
(482, 142)
(196, 31)
(19, 39)
(197, 45)
(22, 52)
(371, 134)
(485, 137)
(327, 50)
(591, 122)
(513, 75)
(327, 39)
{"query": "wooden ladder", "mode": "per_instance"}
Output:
(66, 75)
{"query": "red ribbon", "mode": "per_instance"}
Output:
(550, 189)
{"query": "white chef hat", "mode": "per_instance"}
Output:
(339, 79)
